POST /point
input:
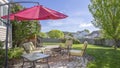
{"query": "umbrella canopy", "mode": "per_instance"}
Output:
(35, 13)
(38, 12)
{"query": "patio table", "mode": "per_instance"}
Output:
(33, 57)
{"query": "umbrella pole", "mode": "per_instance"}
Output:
(6, 45)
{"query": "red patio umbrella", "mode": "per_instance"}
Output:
(36, 13)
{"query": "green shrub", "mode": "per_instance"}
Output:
(15, 53)
(63, 40)
(2, 54)
(76, 41)
(1, 44)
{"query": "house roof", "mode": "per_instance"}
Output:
(94, 32)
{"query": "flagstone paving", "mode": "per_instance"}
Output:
(59, 62)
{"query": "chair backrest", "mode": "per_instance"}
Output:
(68, 44)
(84, 48)
(28, 47)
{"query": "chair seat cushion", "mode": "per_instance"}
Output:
(36, 51)
(75, 52)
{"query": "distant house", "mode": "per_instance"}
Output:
(80, 34)
(3, 11)
(94, 34)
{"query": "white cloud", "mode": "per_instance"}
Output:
(75, 22)
(80, 13)
(86, 25)
(55, 23)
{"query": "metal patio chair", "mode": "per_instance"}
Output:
(80, 53)
(30, 48)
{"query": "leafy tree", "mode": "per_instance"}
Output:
(22, 30)
(106, 15)
(43, 35)
(56, 34)
(87, 30)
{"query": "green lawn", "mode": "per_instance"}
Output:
(105, 57)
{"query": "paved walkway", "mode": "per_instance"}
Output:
(59, 62)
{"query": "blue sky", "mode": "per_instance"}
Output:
(79, 17)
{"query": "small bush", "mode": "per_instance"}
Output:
(76, 41)
(2, 55)
(1, 44)
(63, 40)
(15, 53)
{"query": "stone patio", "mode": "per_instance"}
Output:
(59, 61)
